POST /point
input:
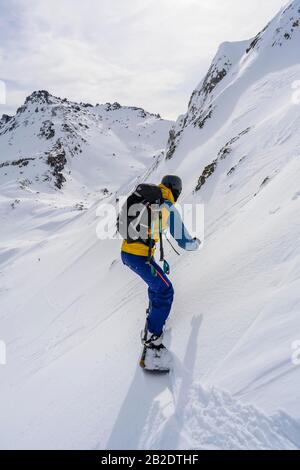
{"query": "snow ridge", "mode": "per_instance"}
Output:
(277, 42)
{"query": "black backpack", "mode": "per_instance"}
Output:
(138, 212)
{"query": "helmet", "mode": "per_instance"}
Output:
(174, 183)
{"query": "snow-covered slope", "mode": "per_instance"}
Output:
(72, 323)
(242, 162)
(235, 66)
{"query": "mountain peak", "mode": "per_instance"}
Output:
(54, 138)
(39, 96)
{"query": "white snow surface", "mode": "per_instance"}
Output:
(71, 313)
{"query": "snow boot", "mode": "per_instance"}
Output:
(153, 341)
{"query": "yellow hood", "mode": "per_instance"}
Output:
(167, 193)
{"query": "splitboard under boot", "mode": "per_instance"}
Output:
(155, 359)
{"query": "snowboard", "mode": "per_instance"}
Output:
(155, 359)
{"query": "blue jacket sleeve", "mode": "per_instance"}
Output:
(178, 230)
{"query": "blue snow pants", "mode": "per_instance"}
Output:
(160, 290)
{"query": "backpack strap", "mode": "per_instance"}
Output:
(149, 257)
(166, 266)
(162, 255)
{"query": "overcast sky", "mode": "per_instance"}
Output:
(148, 53)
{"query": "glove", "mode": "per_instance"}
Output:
(193, 245)
(197, 241)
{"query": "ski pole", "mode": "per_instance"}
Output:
(177, 253)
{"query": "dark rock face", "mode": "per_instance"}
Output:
(5, 119)
(207, 172)
(47, 130)
(112, 107)
(223, 153)
(227, 149)
(7, 123)
(21, 110)
(213, 77)
(21, 162)
(232, 170)
(174, 137)
(201, 120)
(56, 159)
(255, 41)
(116, 106)
(40, 97)
(172, 143)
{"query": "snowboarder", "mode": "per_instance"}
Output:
(139, 255)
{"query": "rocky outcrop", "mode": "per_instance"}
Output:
(57, 160)
(200, 107)
(223, 153)
(47, 130)
(21, 162)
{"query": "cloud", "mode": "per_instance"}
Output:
(148, 53)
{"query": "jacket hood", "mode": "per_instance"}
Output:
(167, 193)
